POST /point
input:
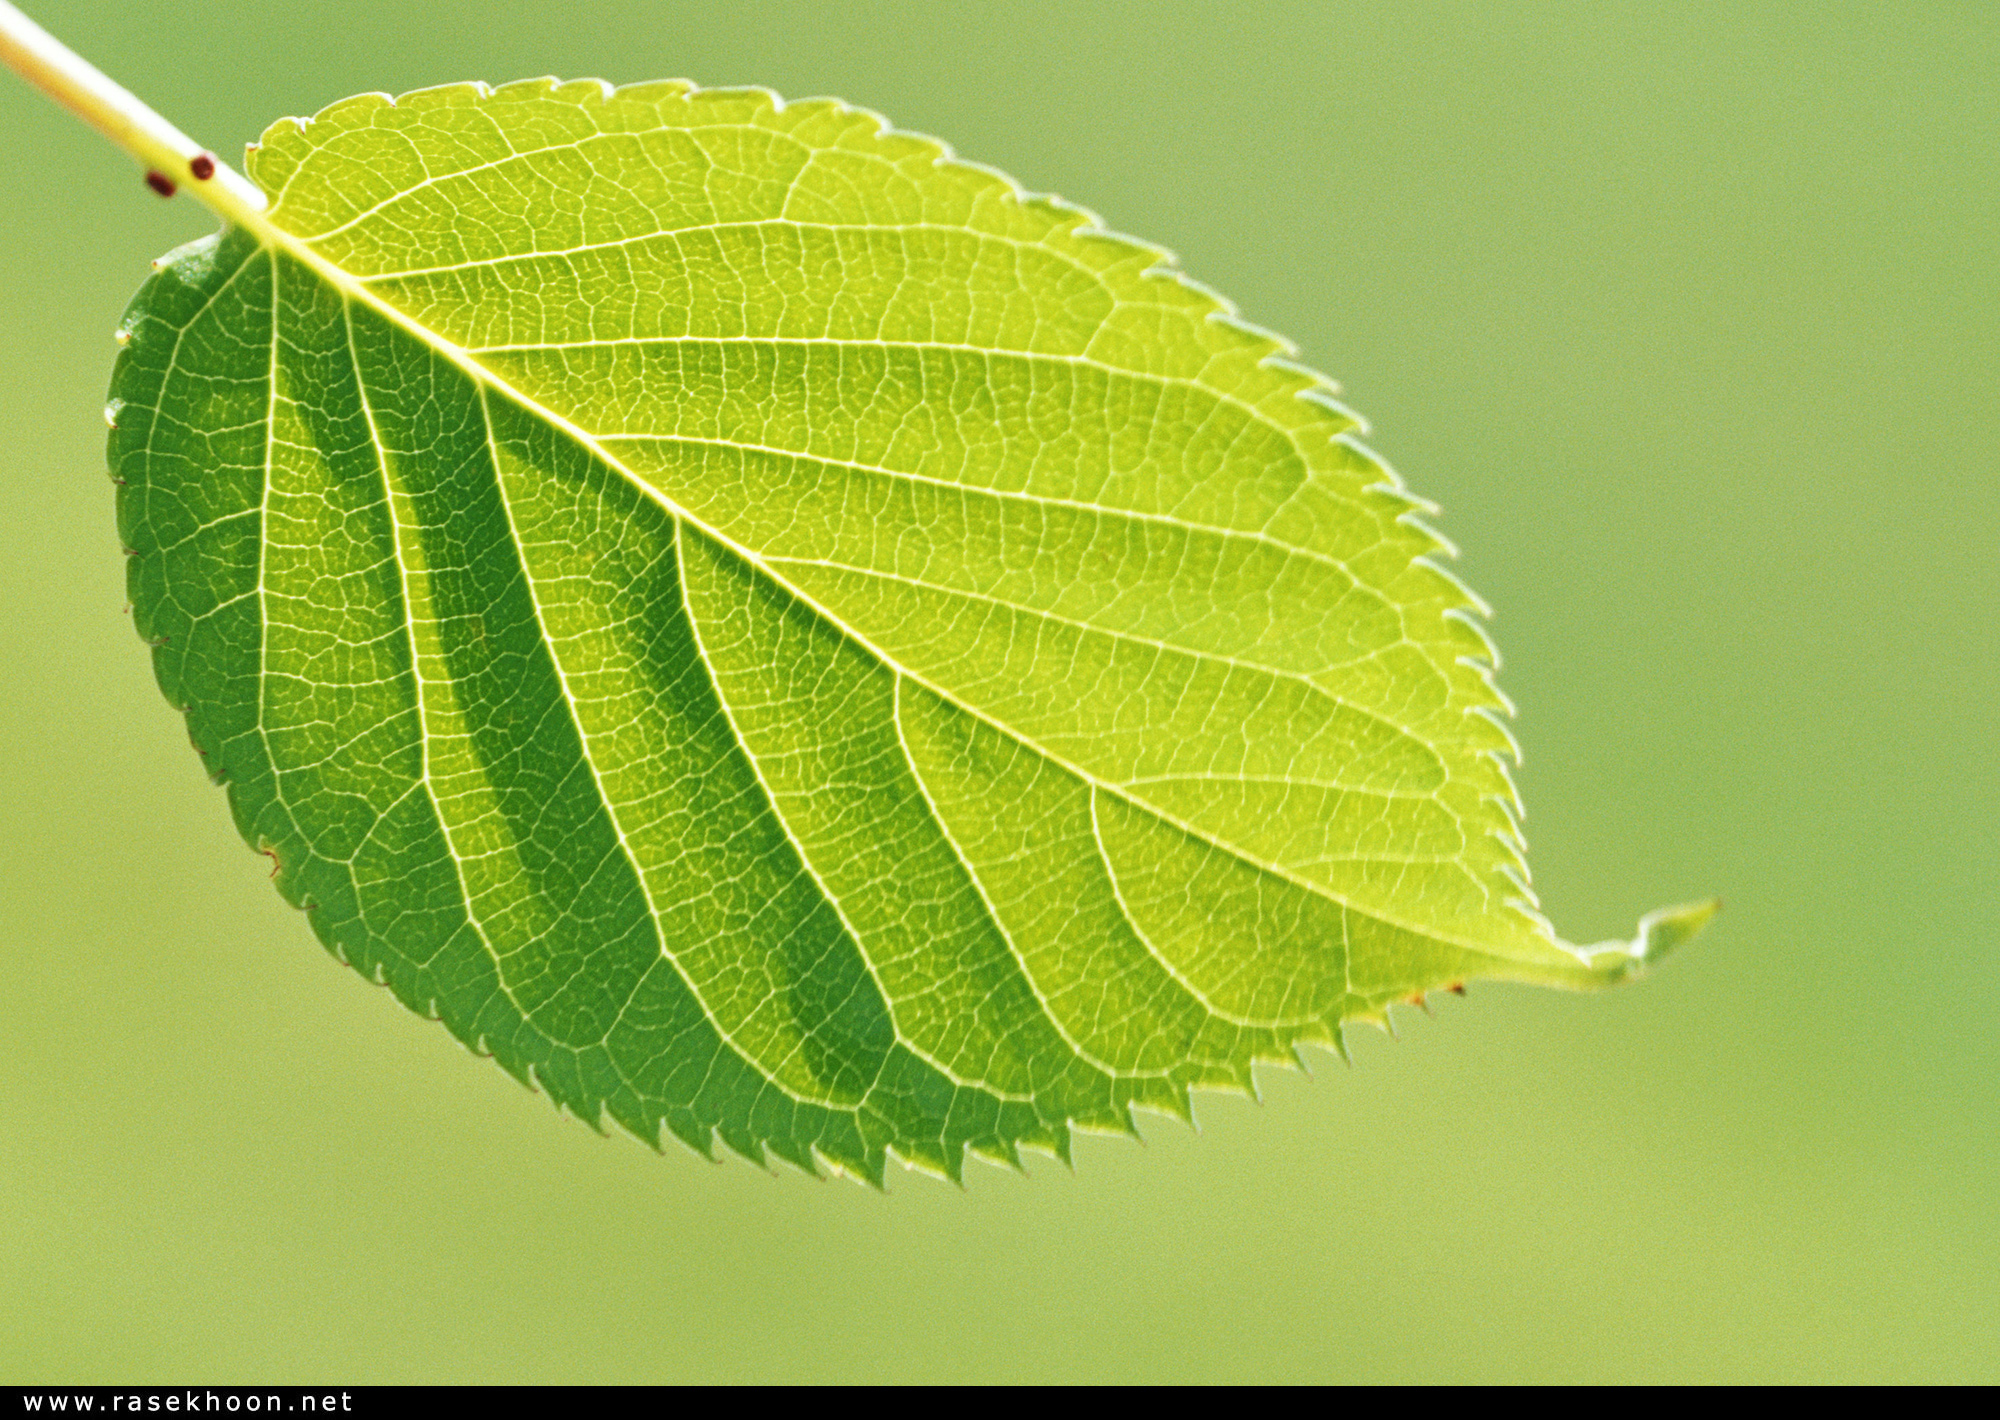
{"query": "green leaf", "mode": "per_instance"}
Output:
(773, 632)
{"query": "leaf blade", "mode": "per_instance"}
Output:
(775, 632)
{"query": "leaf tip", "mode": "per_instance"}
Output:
(1671, 927)
(1661, 932)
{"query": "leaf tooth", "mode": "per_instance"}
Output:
(1489, 649)
(741, 1142)
(1237, 1076)
(1340, 1043)
(1510, 807)
(791, 1152)
(1497, 716)
(521, 1070)
(1286, 1054)
(1313, 387)
(875, 1174)
(1177, 1105)
(1414, 521)
(1044, 1138)
(1518, 876)
(1527, 904)
(1389, 483)
(1397, 491)
(655, 90)
(866, 1158)
(1223, 307)
(1284, 351)
(1087, 225)
(943, 1162)
(343, 109)
(1326, 396)
(1502, 701)
(1065, 1146)
(698, 1139)
(1515, 868)
(595, 1120)
(770, 100)
(602, 90)
(633, 1125)
(1001, 1152)
(1471, 598)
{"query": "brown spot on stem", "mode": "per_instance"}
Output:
(202, 165)
(160, 183)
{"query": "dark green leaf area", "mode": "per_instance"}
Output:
(359, 644)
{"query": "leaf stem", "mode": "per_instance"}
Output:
(110, 108)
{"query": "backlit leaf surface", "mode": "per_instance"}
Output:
(775, 633)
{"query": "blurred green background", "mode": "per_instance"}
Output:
(1689, 314)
